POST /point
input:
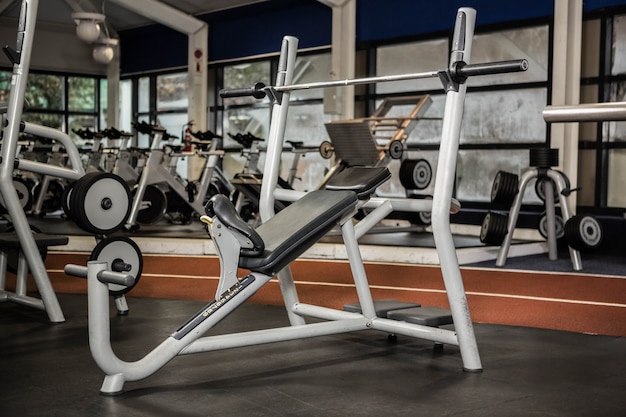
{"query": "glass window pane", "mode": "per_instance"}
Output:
(54, 121)
(428, 129)
(172, 91)
(410, 58)
(82, 94)
(5, 86)
(476, 170)
(104, 103)
(143, 92)
(616, 131)
(308, 69)
(617, 178)
(530, 43)
(125, 103)
(306, 124)
(78, 122)
(253, 120)
(174, 123)
(513, 116)
(44, 91)
(618, 66)
(245, 76)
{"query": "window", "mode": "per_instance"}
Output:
(500, 110)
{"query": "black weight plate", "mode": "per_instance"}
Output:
(505, 187)
(157, 205)
(415, 174)
(122, 249)
(100, 202)
(493, 229)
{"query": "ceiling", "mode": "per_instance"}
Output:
(117, 17)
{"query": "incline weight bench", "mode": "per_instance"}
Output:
(267, 251)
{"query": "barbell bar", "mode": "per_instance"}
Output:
(459, 72)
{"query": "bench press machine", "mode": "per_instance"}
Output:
(268, 250)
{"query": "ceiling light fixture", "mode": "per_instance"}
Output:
(103, 51)
(88, 25)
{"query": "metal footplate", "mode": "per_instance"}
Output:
(427, 316)
(408, 312)
(382, 307)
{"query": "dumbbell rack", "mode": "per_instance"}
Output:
(541, 160)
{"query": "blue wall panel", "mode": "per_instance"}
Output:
(378, 20)
(258, 28)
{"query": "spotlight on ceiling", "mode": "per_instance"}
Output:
(103, 50)
(88, 26)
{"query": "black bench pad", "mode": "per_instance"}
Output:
(296, 228)
(11, 240)
(362, 180)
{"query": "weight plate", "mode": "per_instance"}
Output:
(583, 232)
(326, 149)
(100, 202)
(544, 157)
(558, 224)
(396, 148)
(65, 200)
(53, 199)
(493, 229)
(157, 205)
(540, 186)
(504, 189)
(23, 194)
(415, 174)
(116, 251)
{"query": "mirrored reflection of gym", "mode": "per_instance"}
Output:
(312, 207)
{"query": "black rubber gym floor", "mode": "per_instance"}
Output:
(47, 370)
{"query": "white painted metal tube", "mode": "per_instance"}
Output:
(281, 334)
(77, 169)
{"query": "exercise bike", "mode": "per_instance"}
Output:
(159, 178)
(99, 201)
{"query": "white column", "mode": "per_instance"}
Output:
(113, 90)
(197, 70)
(566, 84)
(339, 101)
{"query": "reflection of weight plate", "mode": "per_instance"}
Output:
(100, 202)
(493, 229)
(65, 200)
(396, 148)
(583, 232)
(558, 225)
(53, 199)
(156, 205)
(23, 194)
(504, 188)
(415, 174)
(326, 149)
(119, 252)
